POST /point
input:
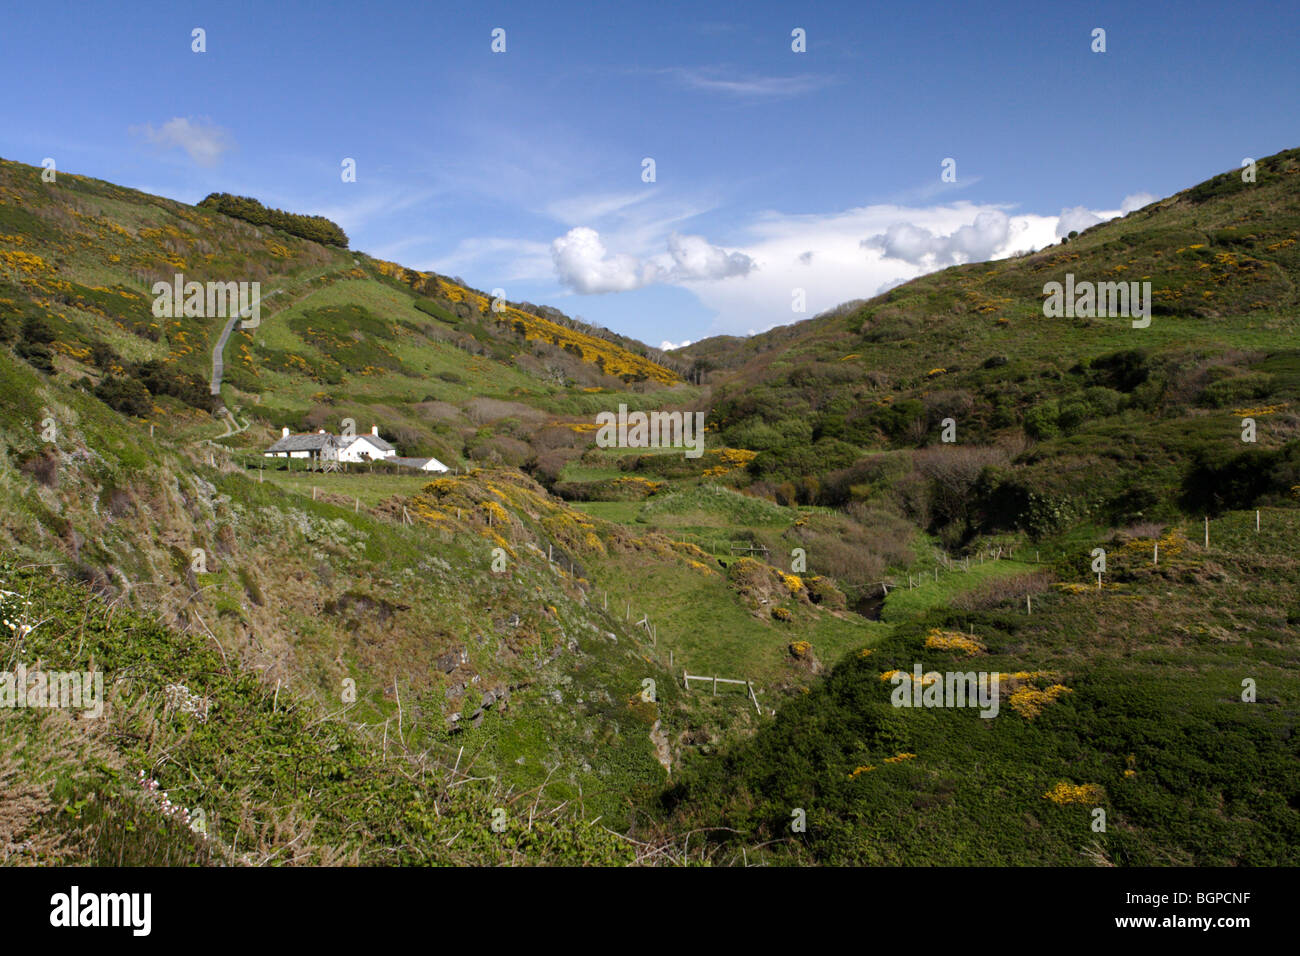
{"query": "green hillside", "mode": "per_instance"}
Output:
(487, 666)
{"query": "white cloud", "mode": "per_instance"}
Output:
(824, 257)
(666, 346)
(750, 283)
(891, 284)
(973, 242)
(1136, 201)
(584, 264)
(694, 258)
(1078, 218)
(200, 138)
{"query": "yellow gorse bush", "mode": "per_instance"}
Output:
(926, 681)
(1029, 702)
(1064, 793)
(899, 758)
(953, 641)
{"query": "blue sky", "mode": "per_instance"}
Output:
(775, 171)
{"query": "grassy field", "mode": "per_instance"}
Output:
(904, 603)
(370, 489)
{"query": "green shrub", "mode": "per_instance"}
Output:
(316, 228)
(34, 345)
(1238, 389)
(125, 395)
(1041, 421)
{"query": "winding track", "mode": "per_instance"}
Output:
(218, 350)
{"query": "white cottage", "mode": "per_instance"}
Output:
(329, 451)
(362, 448)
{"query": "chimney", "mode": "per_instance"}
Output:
(284, 432)
(374, 430)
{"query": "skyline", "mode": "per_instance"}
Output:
(775, 170)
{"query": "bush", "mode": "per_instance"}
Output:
(1219, 479)
(125, 395)
(1237, 390)
(161, 379)
(102, 355)
(1041, 421)
(1102, 401)
(1124, 371)
(34, 345)
(1071, 414)
(316, 228)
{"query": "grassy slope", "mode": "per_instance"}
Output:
(309, 592)
(1185, 770)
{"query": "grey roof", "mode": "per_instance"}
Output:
(311, 442)
(409, 462)
(373, 439)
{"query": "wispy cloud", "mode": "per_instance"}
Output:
(507, 259)
(581, 210)
(750, 86)
(204, 141)
(379, 202)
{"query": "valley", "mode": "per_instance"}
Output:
(487, 665)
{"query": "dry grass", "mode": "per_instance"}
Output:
(998, 591)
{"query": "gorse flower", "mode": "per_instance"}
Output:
(1064, 793)
(953, 641)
